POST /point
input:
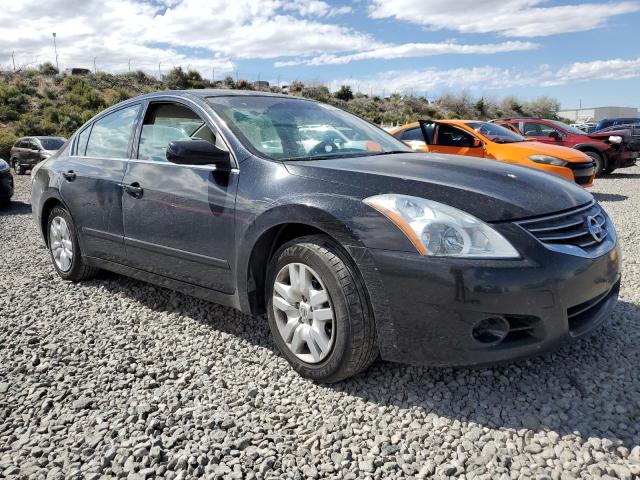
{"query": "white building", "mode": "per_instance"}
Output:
(598, 113)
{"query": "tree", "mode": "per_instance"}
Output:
(228, 82)
(176, 79)
(344, 93)
(47, 68)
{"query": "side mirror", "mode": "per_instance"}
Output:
(555, 135)
(197, 152)
(476, 143)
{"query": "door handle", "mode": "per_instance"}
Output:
(135, 190)
(70, 175)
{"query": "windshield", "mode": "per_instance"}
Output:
(496, 133)
(568, 128)
(51, 143)
(295, 129)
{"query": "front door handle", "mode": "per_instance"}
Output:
(135, 190)
(70, 175)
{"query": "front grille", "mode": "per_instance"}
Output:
(581, 166)
(584, 227)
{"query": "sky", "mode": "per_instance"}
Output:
(582, 53)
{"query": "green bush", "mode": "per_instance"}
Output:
(7, 140)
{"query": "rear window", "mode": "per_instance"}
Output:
(51, 143)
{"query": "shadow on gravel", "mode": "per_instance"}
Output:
(609, 197)
(590, 387)
(615, 176)
(15, 208)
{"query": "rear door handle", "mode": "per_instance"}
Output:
(135, 190)
(70, 175)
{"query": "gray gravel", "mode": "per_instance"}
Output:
(117, 378)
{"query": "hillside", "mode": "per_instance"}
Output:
(43, 102)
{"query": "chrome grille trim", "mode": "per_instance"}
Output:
(569, 231)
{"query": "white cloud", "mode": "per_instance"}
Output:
(202, 34)
(518, 18)
(492, 78)
(409, 50)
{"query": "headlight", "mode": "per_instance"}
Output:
(547, 160)
(615, 139)
(439, 230)
(4, 166)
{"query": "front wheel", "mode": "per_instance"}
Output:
(318, 310)
(17, 167)
(64, 247)
(598, 161)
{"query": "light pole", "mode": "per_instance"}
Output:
(55, 49)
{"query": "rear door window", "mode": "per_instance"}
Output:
(111, 134)
(81, 143)
(414, 134)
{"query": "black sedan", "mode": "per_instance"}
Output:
(352, 244)
(6, 183)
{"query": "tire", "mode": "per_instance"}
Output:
(17, 167)
(608, 171)
(599, 161)
(353, 343)
(77, 269)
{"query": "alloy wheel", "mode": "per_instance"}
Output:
(60, 244)
(303, 312)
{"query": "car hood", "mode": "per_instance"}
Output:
(622, 132)
(538, 148)
(490, 190)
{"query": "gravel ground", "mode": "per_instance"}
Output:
(117, 378)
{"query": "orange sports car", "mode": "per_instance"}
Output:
(476, 138)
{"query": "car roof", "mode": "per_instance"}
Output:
(217, 92)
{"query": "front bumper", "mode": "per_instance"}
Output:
(427, 308)
(6, 186)
(623, 157)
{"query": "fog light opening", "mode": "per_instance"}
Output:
(491, 330)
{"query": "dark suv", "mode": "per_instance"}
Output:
(609, 150)
(28, 151)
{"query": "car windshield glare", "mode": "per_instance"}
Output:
(296, 129)
(496, 133)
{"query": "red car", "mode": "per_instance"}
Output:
(609, 150)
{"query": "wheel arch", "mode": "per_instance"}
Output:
(280, 227)
(47, 207)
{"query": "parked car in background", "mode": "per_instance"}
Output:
(487, 140)
(28, 151)
(6, 183)
(609, 151)
(351, 249)
(616, 122)
(586, 127)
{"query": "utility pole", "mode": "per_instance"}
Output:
(13, 59)
(55, 49)
(213, 75)
(129, 65)
(95, 70)
(236, 76)
(159, 72)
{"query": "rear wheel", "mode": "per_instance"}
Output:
(318, 310)
(598, 160)
(64, 248)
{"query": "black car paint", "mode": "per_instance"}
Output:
(209, 233)
(6, 185)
